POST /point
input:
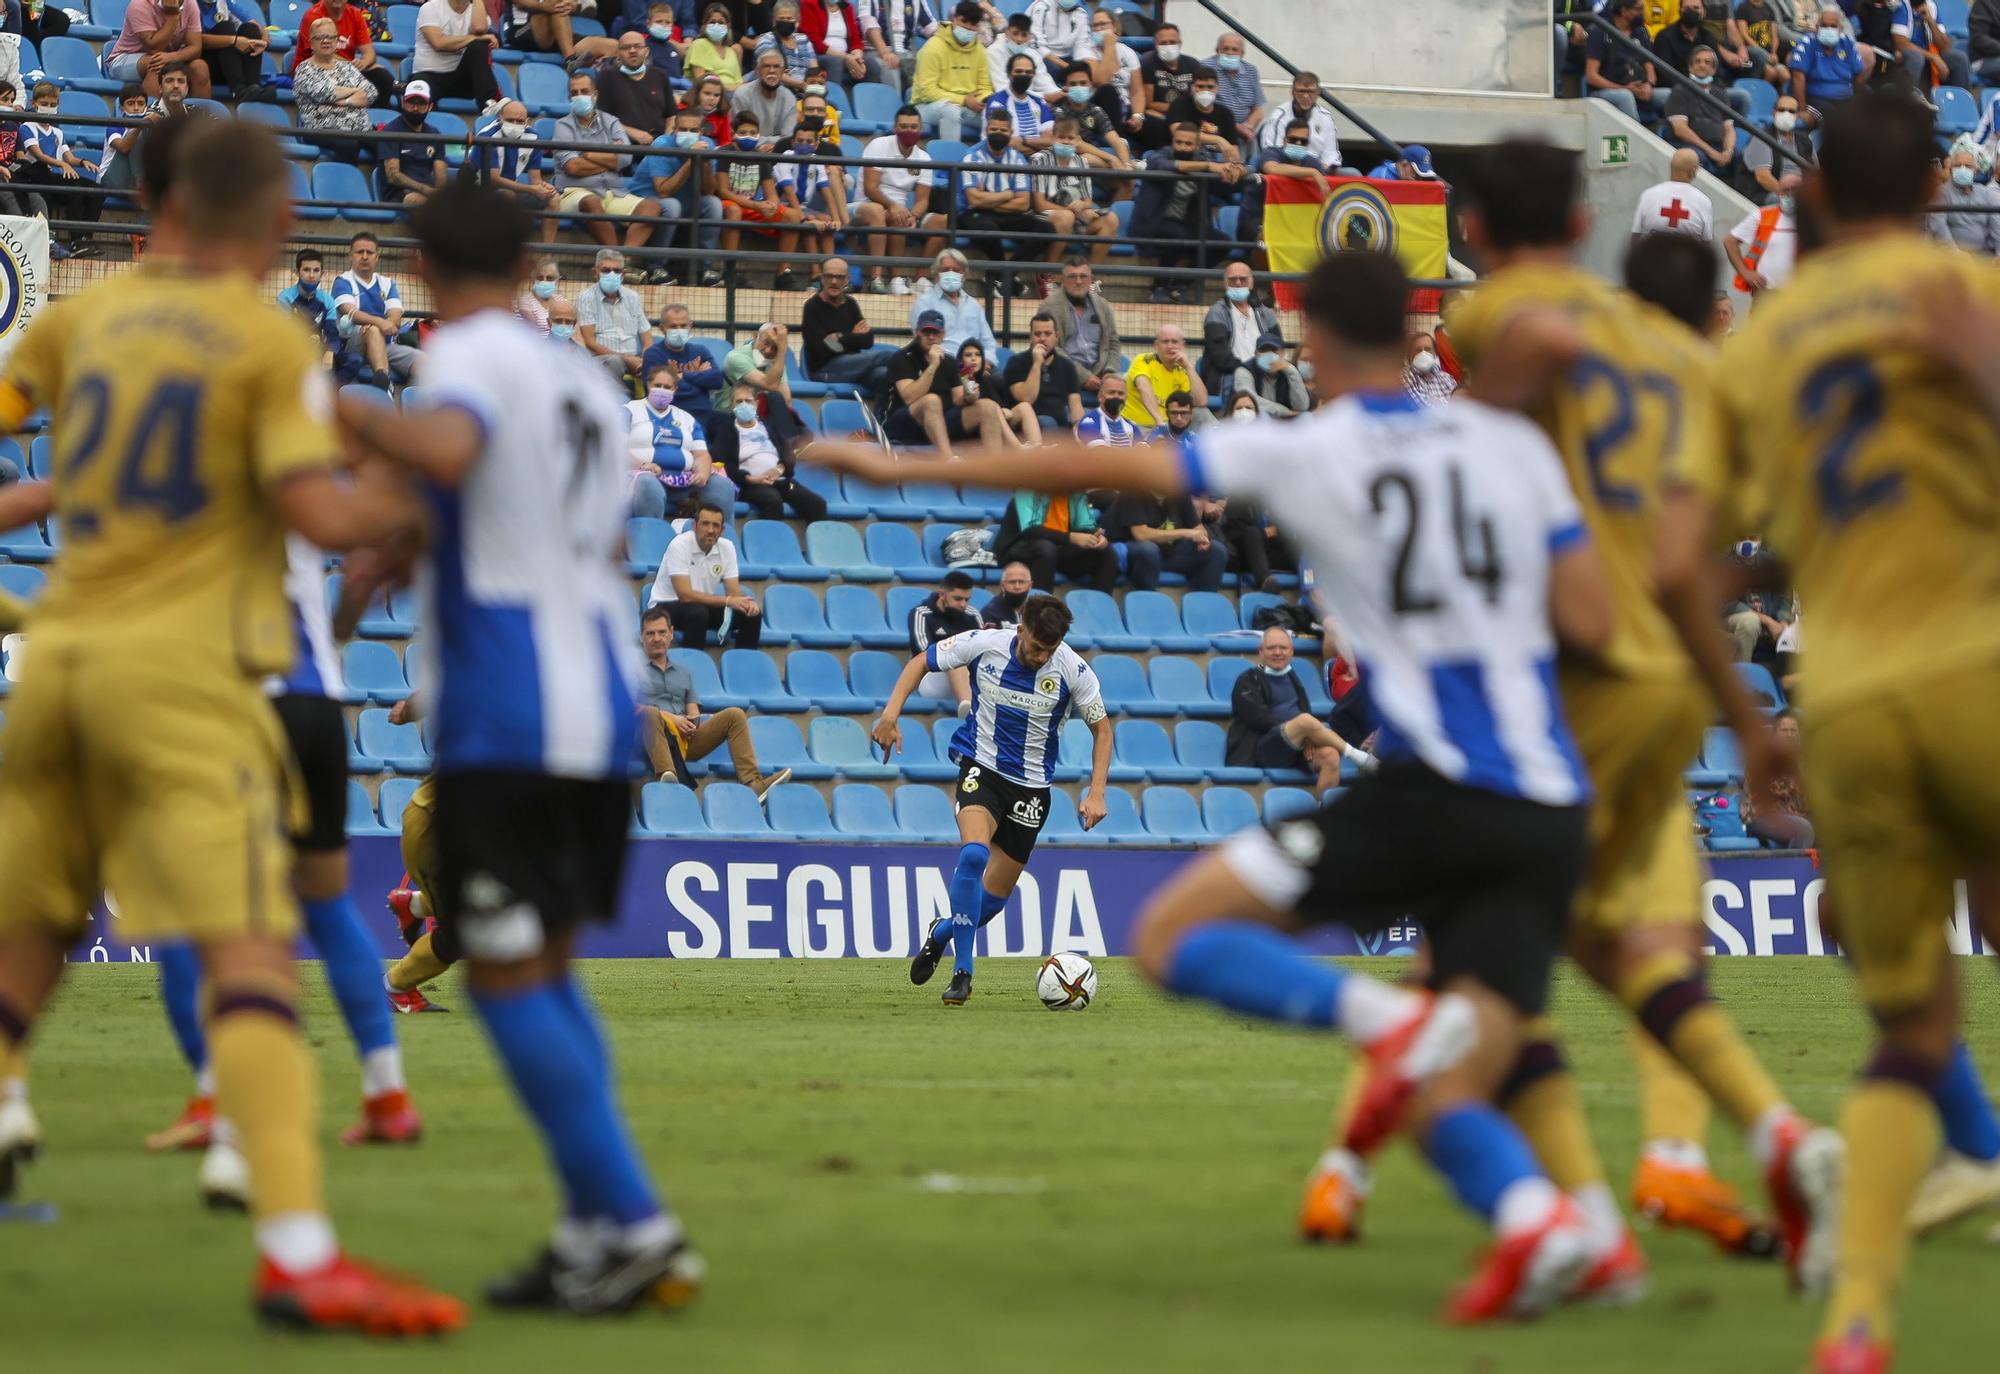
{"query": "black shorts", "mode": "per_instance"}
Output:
(903, 427)
(1018, 812)
(1489, 877)
(521, 38)
(317, 730)
(522, 855)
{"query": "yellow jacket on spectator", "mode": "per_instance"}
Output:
(1164, 380)
(1658, 14)
(946, 71)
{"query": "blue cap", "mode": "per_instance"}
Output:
(1419, 157)
(931, 319)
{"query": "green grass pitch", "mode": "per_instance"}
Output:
(881, 1185)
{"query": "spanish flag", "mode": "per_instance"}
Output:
(1301, 226)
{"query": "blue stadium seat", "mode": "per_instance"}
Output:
(804, 386)
(1720, 752)
(1126, 688)
(1763, 688)
(107, 17)
(1121, 819)
(1222, 675)
(394, 619)
(1957, 113)
(544, 88)
(934, 537)
(76, 103)
(1212, 616)
(1763, 100)
(857, 613)
(792, 615)
(1098, 624)
(373, 673)
(1144, 744)
(361, 818)
(400, 747)
(1154, 616)
(752, 675)
(884, 503)
(860, 808)
(585, 27)
(646, 538)
(1202, 744)
(924, 813)
(279, 120)
(450, 122)
(1226, 810)
(72, 64)
(302, 195)
(771, 547)
(826, 485)
(780, 745)
(26, 545)
(815, 675)
(844, 746)
(733, 812)
(667, 808)
(835, 547)
(392, 799)
(1062, 827)
(700, 668)
(941, 501)
(946, 150)
(24, 582)
(991, 505)
(343, 181)
(839, 418)
(923, 756)
(875, 102)
(895, 546)
(1171, 815)
(1249, 603)
(402, 23)
(872, 674)
(1074, 750)
(1283, 803)
(1179, 684)
(798, 812)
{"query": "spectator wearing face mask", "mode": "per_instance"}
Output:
(952, 83)
(1616, 74)
(715, 52)
(784, 38)
(1107, 423)
(611, 320)
(562, 321)
(1961, 221)
(895, 200)
(680, 183)
(1238, 83)
(1202, 107)
(669, 449)
(1018, 40)
(1067, 197)
(1765, 243)
(700, 373)
(631, 90)
(1690, 32)
(1694, 123)
(516, 167)
(1165, 75)
(1274, 380)
(1029, 117)
(1322, 140)
(412, 168)
(1096, 126)
(544, 286)
(944, 613)
(1113, 68)
(1788, 132)
(962, 315)
(1231, 328)
(761, 462)
(1005, 609)
(1423, 378)
(1828, 67)
(996, 198)
(1058, 33)
(817, 189)
(593, 182)
(1271, 724)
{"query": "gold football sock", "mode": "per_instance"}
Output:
(266, 1083)
(1892, 1134)
(1540, 1096)
(1667, 995)
(1672, 1106)
(417, 967)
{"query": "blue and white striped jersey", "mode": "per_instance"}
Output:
(315, 664)
(530, 639)
(1017, 712)
(1432, 529)
(985, 170)
(1100, 430)
(1031, 114)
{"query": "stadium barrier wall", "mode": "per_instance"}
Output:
(720, 899)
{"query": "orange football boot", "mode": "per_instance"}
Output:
(349, 1296)
(1668, 1194)
(192, 1130)
(386, 1119)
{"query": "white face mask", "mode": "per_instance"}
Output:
(1786, 120)
(1425, 361)
(1242, 417)
(1168, 51)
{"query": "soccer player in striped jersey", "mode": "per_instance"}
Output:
(1025, 683)
(1452, 550)
(308, 702)
(521, 447)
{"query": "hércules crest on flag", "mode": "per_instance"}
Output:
(1406, 218)
(24, 276)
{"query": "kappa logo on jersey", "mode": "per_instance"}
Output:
(1027, 811)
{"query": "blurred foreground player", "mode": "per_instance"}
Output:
(520, 444)
(140, 754)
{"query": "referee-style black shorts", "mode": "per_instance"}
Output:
(1489, 877)
(317, 730)
(522, 856)
(1018, 812)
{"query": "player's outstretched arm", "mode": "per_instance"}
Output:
(338, 516)
(1094, 808)
(1063, 466)
(440, 442)
(888, 730)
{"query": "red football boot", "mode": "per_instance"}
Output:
(1525, 1274)
(192, 1130)
(386, 1119)
(1858, 1352)
(349, 1296)
(1804, 1182)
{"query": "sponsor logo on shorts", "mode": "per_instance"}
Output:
(1027, 811)
(970, 782)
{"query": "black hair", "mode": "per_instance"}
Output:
(655, 612)
(1361, 298)
(745, 117)
(1675, 272)
(910, 110)
(1039, 317)
(1875, 156)
(306, 255)
(1073, 68)
(1181, 398)
(708, 506)
(1523, 190)
(364, 237)
(156, 158)
(1303, 126)
(469, 230)
(1045, 618)
(957, 581)
(969, 11)
(126, 93)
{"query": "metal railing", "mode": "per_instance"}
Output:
(1346, 111)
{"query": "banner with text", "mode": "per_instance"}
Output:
(24, 276)
(775, 900)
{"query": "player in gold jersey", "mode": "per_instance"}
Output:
(1864, 404)
(191, 431)
(1622, 389)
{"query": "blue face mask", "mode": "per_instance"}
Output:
(677, 339)
(686, 138)
(951, 282)
(639, 70)
(1229, 62)
(1063, 149)
(612, 282)
(1267, 361)
(544, 290)
(1298, 152)
(1701, 80)
(1069, 4)
(561, 331)
(715, 33)
(1961, 176)
(582, 105)
(1829, 38)
(663, 32)
(747, 142)
(1237, 294)
(746, 412)
(1079, 95)
(963, 36)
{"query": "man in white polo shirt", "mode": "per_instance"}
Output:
(697, 584)
(896, 198)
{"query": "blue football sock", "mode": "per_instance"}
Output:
(990, 906)
(965, 894)
(1969, 1127)
(1481, 1154)
(180, 991)
(1254, 969)
(561, 1082)
(354, 969)
(584, 1018)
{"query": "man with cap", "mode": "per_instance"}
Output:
(413, 167)
(1412, 164)
(1273, 379)
(923, 410)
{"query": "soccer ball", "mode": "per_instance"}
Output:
(1066, 982)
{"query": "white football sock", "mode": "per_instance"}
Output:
(1681, 1154)
(581, 1240)
(654, 1233)
(1525, 1205)
(1369, 1010)
(1349, 1166)
(204, 1081)
(13, 1090)
(298, 1242)
(1601, 1216)
(382, 1071)
(223, 1132)
(420, 905)
(1764, 1133)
